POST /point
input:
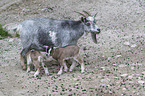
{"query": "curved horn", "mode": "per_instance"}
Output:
(81, 14)
(87, 13)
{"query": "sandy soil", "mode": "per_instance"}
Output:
(115, 66)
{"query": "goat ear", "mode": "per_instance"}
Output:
(83, 19)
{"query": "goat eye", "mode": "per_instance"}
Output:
(88, 24)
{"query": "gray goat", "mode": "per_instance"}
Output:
(40, 32)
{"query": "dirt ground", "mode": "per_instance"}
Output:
(114, 67)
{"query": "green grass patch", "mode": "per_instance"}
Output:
(3, 33)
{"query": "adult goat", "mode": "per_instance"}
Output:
(37, 33)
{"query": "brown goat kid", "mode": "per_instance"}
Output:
(35, 57)
(65, 53)
(59, 54)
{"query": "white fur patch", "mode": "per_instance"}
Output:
(49, 51)
(72, 66)
(60, 71)
(53, 36)
(39, 58)
(28, 68)
(29, 59)
(90, 18)
(46, 71)
(36, 73)
(82, 68)
(65, 67)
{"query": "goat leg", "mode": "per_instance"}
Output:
(72, 66)
(80, 61)
(22, 62)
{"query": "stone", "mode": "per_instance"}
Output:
(141, 82)
(109, 58)
(130, 77)
(11, 40)
(143, 72)
(133, 46)
(122, 65)
(124, 89)
(117, 56)
(126, 43)
(124, 75)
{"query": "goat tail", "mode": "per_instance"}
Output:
(17, 28)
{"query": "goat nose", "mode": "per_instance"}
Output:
(99, 30)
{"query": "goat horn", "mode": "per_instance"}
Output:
(81, 14)
(87, 13)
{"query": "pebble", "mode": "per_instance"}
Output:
(126, 43)
(122, 65)
(124, 89)
(124, 75)
(115, 64)
(11, 40)
(118, 82)
(130, 77)
(117, 56)
(143, 72)
(141, 82)
(132, 68)
(102, 68)
(133, 46)
(109, 58)
(105, 80)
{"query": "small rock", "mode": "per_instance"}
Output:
(117, 56)
(26, 10)
(124, 89)
(122, 65)
(130, 77)
(143, 72)
(126, 43)
(102, 84)
(115, 64)
(141, 82)
(132, 68)
(11, 40)
(109, 58)
(139, 78)
(139, 64)
(102, 68)
(124, 75)
(126, 37)
(118, 82)
(134, 45)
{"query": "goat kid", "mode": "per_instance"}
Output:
(65, 53)
(35, 57)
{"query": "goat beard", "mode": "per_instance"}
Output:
(94, 37)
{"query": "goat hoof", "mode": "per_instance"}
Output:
(47, 74)
(24, 68)
(70, 70)
(82, 71)
(59, 73)
(35, 75)
(65, 70)
(28, 71)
